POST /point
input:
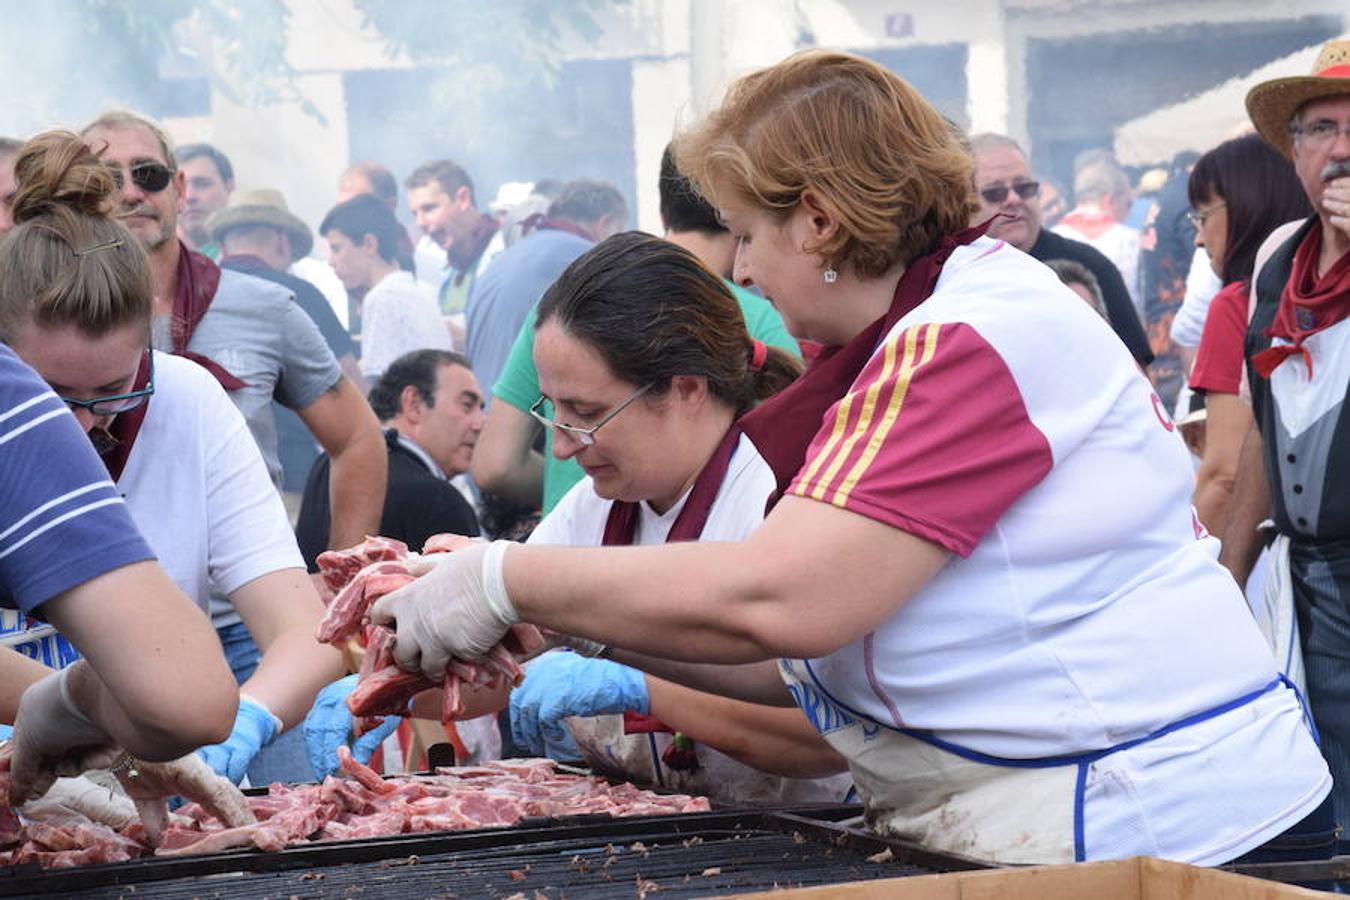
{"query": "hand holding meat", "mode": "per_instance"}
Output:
(330, 725)
(150, 784)
(254, 728)
(53, 737)
(562, 684)
(456, 609)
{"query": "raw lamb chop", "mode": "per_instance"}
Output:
(338, 567)
(383, 688)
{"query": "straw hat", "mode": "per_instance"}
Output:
(265, 206)
(1272, 104)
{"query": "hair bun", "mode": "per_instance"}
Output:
(57, 169)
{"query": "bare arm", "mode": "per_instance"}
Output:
(504, 461)
(281, 610)
(1250, 504)
(17, 672)
(757, 682)
(1227, 421)
(157, 681)
(811, 579)
(771, 739)
(347, 429)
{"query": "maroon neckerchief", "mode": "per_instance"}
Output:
(1308, 304)
(198, 279)
(128, 424)
(621, 526)
(783, 426)
(475, 244)
(541, 222)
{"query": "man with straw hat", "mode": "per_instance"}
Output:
(1298, 351)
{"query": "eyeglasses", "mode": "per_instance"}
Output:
(999, 192)
(583, 436)
(1199, 217)
(1319, 132)
(150, 177)
(117, 403)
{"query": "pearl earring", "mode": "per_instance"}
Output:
(831, 276)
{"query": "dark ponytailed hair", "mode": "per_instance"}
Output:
(653, 311)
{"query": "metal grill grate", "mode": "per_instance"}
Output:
(685, 855)
(717, 864)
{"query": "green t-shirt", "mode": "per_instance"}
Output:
(519, 381)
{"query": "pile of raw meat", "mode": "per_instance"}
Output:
(362, 806)
(361, 575)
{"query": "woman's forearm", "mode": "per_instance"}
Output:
(757, 683)
(772, 739)
(811, 579)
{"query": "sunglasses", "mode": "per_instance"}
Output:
(149, 177)
(999, 192)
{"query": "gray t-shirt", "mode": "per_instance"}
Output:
(262, 337)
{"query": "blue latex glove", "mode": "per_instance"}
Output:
(329, 725)
(562, 684)
(254, 728)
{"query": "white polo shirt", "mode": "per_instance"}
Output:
(1084, 606)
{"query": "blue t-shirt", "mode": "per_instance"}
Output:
(62, 521)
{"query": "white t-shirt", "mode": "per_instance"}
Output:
(399, 315)
(579, 518)
(198, 489)
(1084, 606)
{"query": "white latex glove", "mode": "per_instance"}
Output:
(52, 737)
(150, 784)
(457, 608)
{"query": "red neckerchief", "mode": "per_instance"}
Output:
(477, 242)
(128, 424)
(1308, 304)
(541, 222)
(783, 426)
(198, 279)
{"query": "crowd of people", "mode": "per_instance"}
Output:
(863, 480)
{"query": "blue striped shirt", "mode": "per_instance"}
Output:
(62, 521)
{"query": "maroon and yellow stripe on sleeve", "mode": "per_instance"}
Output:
(833, 472)
(934, 438)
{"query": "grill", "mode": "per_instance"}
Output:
(700, 854)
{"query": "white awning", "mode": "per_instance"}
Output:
(1204, 120)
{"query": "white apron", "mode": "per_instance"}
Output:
(921, 788)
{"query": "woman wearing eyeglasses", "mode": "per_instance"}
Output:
(175, 446)
(645, 365)
(985, 585)
(1240, 192)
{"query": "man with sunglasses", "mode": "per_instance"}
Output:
(253, 338)
(1006, 190)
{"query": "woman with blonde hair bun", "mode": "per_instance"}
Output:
(75, 304)
(151, 680)
(983, 584)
